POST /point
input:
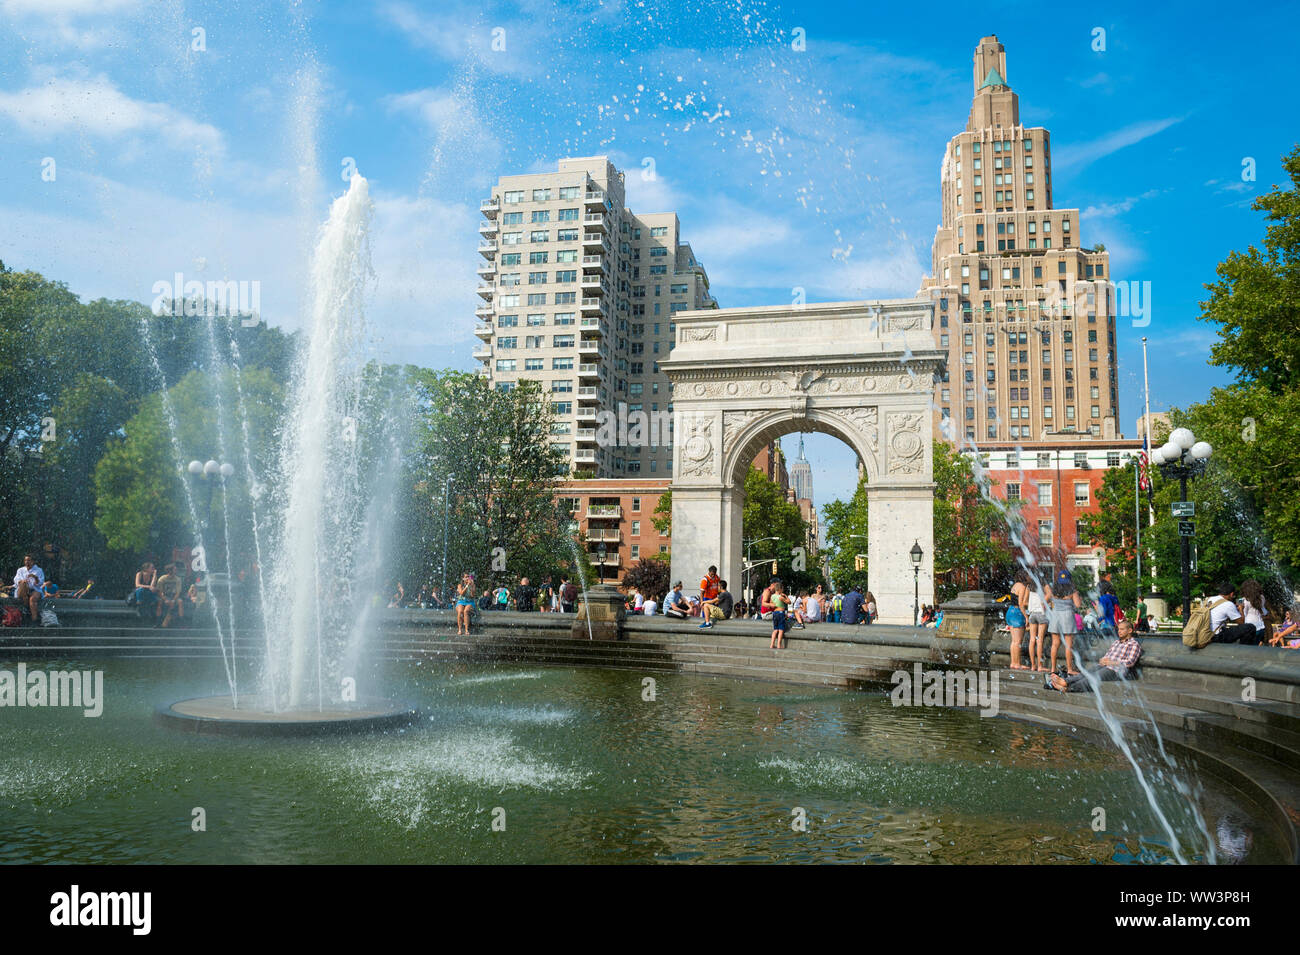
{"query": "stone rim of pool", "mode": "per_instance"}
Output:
(215, 715)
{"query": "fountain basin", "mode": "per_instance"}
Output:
(216, 716)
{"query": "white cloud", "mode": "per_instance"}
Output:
(1081, 155)
(1110, 209)
(97, 108)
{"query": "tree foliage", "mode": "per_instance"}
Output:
(846, 537)
(494, 447)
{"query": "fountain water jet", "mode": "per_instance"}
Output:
(323, 543)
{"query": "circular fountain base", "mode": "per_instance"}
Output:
(214, 715)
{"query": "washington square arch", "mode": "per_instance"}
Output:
(861, 371)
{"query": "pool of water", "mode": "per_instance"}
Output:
(525, 764)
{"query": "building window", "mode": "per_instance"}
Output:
(1013, 492)
(1112, 459)
(1081, 495)
(1045, 533)
(1044, 494)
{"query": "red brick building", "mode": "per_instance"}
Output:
(1056, 482)
(618, 512)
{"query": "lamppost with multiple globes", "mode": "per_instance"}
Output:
(1183, 457)
(602, 551)
(916, 554)
(209, 473)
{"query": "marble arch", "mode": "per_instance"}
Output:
(862, 371)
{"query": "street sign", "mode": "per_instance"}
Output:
(1183, 509)
(1186, 529)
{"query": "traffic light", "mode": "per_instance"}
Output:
(774, 568)
(858, 562)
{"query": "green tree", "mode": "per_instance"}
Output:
(846, 537)
(972, 532)
(1254, 425)
(495, 447)
(767, 513)
(1222, 551)
(140, 482)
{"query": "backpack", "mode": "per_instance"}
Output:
(569, 593)
(49, 618)
(1197, 632)
(13, 617)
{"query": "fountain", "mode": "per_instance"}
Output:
(323, 553)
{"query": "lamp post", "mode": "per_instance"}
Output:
(916, 554)
(748, 563)
(446, 503)
(209, 473)
(601, 550)
(1183, 457)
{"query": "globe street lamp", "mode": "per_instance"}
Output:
(601, 551)
(1183, 457)
(208, 473)
(916, 554)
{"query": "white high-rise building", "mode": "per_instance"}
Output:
(579, 294)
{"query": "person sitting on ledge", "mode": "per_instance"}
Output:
(29, 587)
(676, 605)
(169, 597)
(1118, 662)
(717, 607)
(851, 609)
(1286, 633)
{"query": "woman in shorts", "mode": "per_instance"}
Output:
(464, 604)
(1017, 617)
(1036, 621)
(1064, 602)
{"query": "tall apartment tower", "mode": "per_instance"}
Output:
(579, 294)
(1024, 310)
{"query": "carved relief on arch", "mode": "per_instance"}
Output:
(734, 422)
(906, 445)
(698, 451)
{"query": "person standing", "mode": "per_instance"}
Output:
(780, 621)
(525, 596)
(464, 603)
(1036, 620)
(1109, 605)
(1016, 617)
(1064, 600)
(837, 605)
(568, 596)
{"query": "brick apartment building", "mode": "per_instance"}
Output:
(1056, 483)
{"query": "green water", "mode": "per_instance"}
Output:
(585, 770)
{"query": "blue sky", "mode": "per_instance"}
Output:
(816, 169)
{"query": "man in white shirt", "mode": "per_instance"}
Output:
(28, 586)
(1225, 619)
(651, 607)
